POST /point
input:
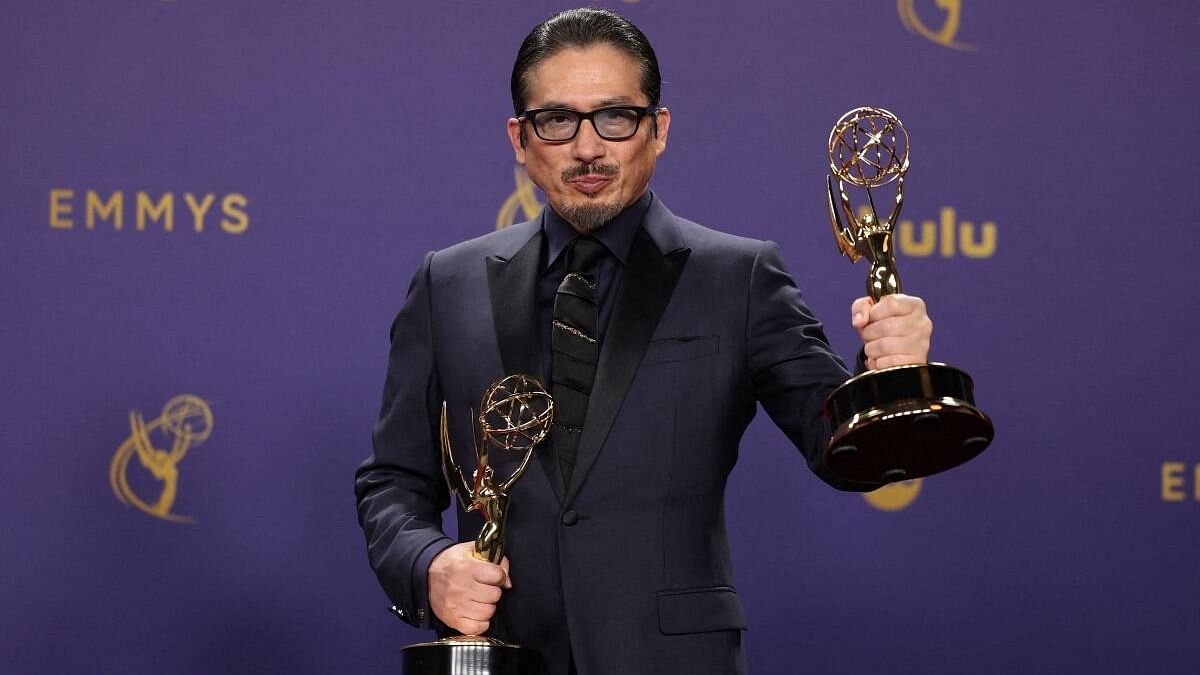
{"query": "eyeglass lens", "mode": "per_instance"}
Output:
(611, 123)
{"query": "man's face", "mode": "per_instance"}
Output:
(587, 179)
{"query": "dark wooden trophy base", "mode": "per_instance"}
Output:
(469, 655)
(904, 422)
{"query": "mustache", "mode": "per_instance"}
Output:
(589, 170)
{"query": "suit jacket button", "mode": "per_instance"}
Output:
(570, 517)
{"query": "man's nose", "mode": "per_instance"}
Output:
(587, 145)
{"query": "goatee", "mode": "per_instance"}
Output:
(589, 217)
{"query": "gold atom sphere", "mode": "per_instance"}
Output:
(868, 147)
(516, 413)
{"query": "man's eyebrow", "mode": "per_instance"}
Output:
(603, 103)
(618, 100)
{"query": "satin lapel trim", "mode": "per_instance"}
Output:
(648, 283)
(512, 285)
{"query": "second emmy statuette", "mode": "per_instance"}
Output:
(907, 421)
(514, 417)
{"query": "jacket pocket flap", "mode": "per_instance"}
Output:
(700, 610)
(667, 350)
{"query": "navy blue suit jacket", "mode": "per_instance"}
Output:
(630, 562)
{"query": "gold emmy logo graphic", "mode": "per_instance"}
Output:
(945, 35)
(523, 198)
(894, 496)
(186, 421)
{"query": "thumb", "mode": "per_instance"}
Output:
(504, 566)
(860, 312)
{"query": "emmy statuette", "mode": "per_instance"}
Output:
(514, 417)
(907, 421)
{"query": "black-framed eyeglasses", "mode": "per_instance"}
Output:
(614, 123)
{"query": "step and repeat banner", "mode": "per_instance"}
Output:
(210, 211)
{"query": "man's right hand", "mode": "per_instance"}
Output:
(463, 590)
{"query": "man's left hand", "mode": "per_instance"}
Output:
(895, 331)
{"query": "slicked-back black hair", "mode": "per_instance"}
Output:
(581, 28)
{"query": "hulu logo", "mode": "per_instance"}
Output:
(948, 237)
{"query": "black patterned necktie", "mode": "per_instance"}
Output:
(575, 349)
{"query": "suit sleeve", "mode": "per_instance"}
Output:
(791, 363)
(400, 488)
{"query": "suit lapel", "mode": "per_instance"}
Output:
(512, 285)
(648, 281)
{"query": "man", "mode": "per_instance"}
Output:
(659, 337)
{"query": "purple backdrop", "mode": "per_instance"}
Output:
(340, 141)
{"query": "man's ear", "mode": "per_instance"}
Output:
(662, 127)
(516, 136)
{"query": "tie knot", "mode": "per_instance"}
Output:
(583, 254)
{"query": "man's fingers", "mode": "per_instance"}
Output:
(897, 326)
(896, 304)
(895, 360)
(483, 593)
(469, 626)
(473, 618)
(478, 611)
(886, 346)
(914, 325)
(882, 328)
(492, 575)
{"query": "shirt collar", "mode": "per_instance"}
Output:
(616, 235)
